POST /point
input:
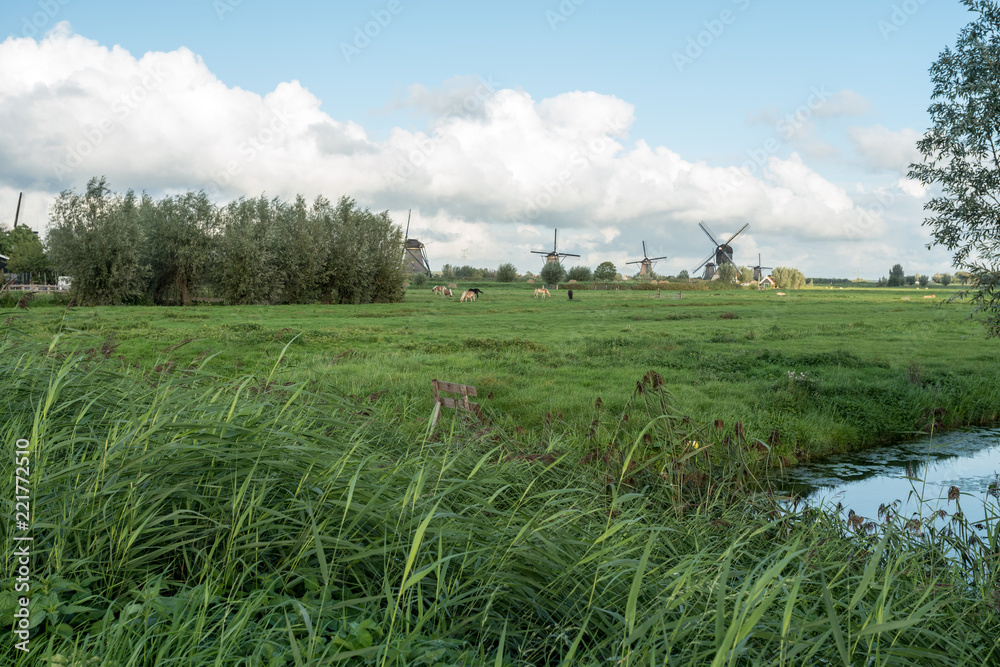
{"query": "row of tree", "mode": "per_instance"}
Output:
(122, 249)
(897, 278)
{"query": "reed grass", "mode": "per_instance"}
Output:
(192, 518)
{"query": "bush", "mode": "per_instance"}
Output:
(506, 273)
(418, 279)
(581, 274)
(787, 278)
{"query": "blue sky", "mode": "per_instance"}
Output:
(677, 97)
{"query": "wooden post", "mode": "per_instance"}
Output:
(464, 391)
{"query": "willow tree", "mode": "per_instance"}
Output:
(302, 249)
(365, 261)
(244, 252)
(961, 157)
(96, 238)
(177, 233)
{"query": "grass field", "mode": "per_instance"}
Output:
(202, 518)
(816, 371)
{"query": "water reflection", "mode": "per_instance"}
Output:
(926, 468)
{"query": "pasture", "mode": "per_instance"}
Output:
(201, 498)
(812, 372)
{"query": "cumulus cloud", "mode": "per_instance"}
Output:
(489, 175)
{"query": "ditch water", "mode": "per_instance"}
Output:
(926, 468)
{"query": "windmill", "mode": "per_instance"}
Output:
(17, 214)
(414, 254)
(554, 255)
(723, 253)
(758, 271)
(646, 263)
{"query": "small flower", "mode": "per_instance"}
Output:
(694, 443)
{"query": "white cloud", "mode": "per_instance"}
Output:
(884, 149)
(844, 103)
(491, 164)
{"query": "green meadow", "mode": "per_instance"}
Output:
(259, 486)
(816, 371)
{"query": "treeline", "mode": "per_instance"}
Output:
(124, 249)
(898, 278)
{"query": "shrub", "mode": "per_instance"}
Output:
(580, 273)
(788, 278)
(506, 273)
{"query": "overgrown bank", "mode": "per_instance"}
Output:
(249, 520)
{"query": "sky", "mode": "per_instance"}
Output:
(497, 123)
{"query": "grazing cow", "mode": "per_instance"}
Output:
(468, 296)
(445, 291)
(541, 292)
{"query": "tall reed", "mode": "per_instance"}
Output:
(183, 518)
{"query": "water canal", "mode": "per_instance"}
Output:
(918, 474)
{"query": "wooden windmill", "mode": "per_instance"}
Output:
(414, 253)
(723, 253)
(758, 271)
(554, 255)
(646, 263)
